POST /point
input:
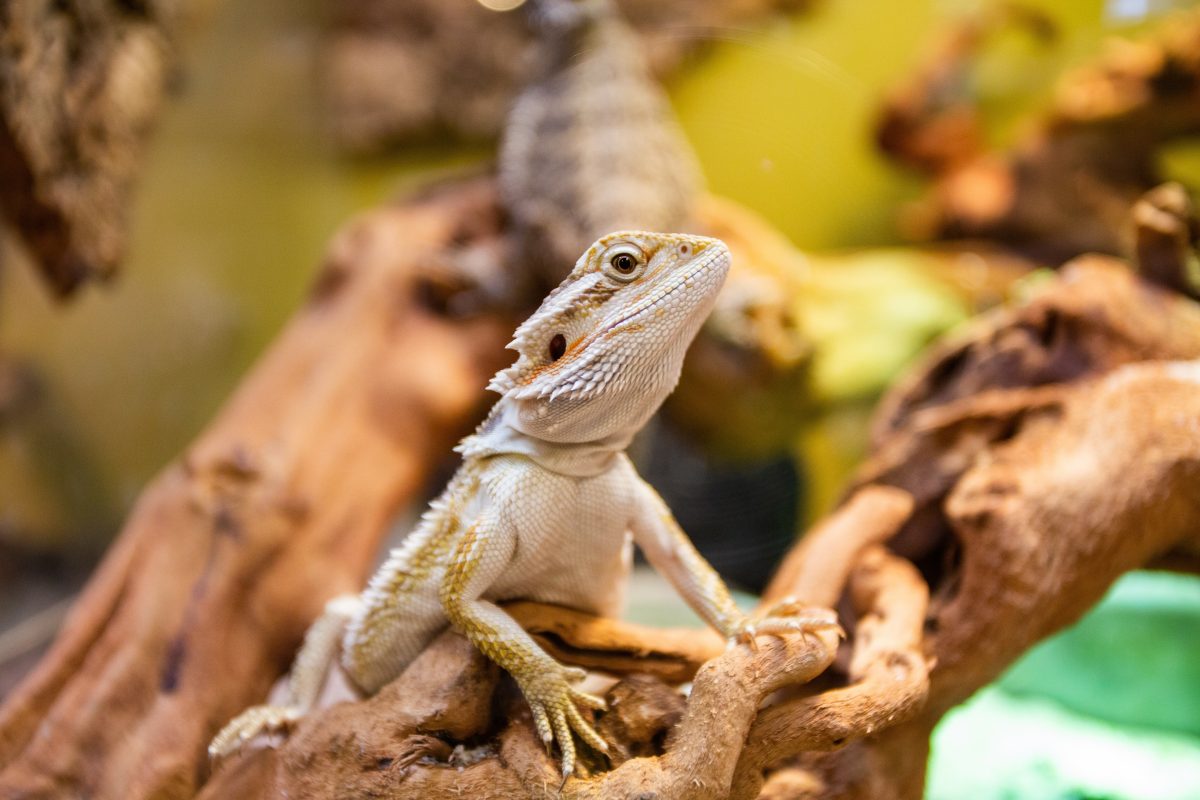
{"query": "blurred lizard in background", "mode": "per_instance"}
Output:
(591, 144)
(546, 504)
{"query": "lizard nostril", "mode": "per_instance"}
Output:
(558, 346)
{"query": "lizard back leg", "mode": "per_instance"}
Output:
(377, 639)
(401, 613)
(388, 634)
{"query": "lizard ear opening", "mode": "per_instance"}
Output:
(558, 347)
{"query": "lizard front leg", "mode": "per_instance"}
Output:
(482, 554)
(672, 553)
(305, 680)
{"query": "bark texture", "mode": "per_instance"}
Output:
(1043, 461)
(80, 85)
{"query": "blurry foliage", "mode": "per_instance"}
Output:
(1109, 708)
(1118, 645)
(1001, 747)
(868, 313)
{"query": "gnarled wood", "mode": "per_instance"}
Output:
(1032, 497)
(279, 505)
(816, 569)
(80, 86)
(888, 673)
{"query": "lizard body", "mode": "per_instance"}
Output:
(546, 503)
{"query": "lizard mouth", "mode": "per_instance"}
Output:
(716, 253)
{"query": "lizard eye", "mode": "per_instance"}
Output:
(558, 346)
(624, 263)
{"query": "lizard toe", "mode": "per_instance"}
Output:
(585, 730)
(574, 674)
(589, 700)
(777, 625)
(794, 608)
(566, 742)
(251, 723)
(542, 723)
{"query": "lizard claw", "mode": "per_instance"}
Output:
(790, 614)
(787, 616)
(574, 674)
(556, 715)
(251, 723)
(746, 635)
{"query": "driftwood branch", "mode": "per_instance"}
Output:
(888, 673)
(816, 570)
(1032, 497)
(447, 692)
(617, 647)
(280, 504)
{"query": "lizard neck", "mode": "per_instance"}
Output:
(500, 435)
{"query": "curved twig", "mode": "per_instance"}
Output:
(816, 569)
(891, 677)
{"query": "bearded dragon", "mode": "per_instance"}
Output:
(546, 503)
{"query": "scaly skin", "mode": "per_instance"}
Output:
(546, 504)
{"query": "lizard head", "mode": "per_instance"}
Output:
(605, 348)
